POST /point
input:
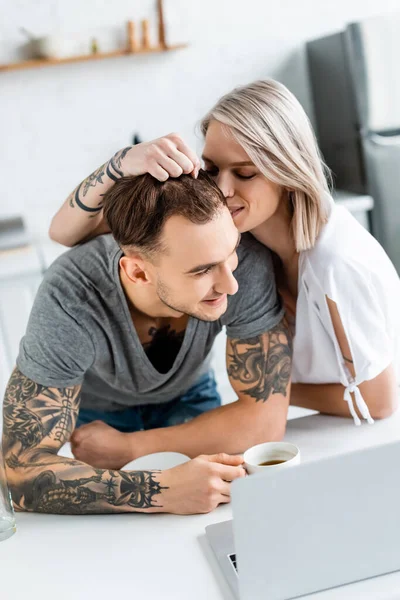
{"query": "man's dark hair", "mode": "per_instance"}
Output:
(136, 208)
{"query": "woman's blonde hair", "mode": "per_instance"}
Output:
(272, 127)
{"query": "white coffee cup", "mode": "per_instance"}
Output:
(271, 451)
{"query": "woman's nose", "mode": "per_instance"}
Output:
(224, 182)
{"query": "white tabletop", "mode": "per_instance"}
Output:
(55, 557)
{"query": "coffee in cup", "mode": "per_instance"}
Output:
(270, 456)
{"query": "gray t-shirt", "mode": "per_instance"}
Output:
(80, 330)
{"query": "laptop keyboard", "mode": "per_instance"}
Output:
(232, 558)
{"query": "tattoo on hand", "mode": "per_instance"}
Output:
(37, 422)
(263, 363)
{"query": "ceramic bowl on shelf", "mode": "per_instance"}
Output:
(59, 46)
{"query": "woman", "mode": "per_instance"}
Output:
(340, 290)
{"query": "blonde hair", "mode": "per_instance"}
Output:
(272, 127)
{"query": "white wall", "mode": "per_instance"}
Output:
(59, 123)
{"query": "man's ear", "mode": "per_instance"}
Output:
(136, 269)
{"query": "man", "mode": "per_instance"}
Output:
(123, 331)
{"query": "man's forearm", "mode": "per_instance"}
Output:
(53, 484)
(81, 214)
(259, 369)
(37, 421)
(231, 428)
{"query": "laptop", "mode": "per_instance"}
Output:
(313, 527)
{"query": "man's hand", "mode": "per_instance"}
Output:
(99, 445)
(165, 157)
(201, 484)
(197, 486)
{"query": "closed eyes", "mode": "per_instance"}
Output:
(213, 172)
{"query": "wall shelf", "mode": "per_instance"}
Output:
(46, 62)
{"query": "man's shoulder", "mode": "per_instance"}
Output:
(255, 308)
(84, 266)
(96, 250)
(255, 259)
(249, 246)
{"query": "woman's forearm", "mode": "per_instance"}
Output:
(81, 215)
(380, 395)
(326, 398)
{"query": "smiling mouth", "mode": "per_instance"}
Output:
(235, 211)
(216, 302)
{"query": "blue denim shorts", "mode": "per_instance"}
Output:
(201, 397)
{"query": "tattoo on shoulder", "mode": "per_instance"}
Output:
(263, 363)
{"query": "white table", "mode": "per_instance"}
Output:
(55, 557)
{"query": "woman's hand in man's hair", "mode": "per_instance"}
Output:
(165, 157)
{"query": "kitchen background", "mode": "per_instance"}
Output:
(58, 123)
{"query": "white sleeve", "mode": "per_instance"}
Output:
(365, 325)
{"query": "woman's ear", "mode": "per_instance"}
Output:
(288, 197)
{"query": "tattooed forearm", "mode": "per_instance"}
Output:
(117, 159)
(262, 364)
(113, 170)
(74, 200)
(93, 179)
(84, 490)
(37, 421)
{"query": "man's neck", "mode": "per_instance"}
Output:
(148, 312)
(144, 303)
(161, 335)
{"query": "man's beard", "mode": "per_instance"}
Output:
(165, 298)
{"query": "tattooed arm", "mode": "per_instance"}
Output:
(38, 420)
(81, 216)
(259, 371)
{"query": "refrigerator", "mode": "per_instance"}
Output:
(355, 87)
